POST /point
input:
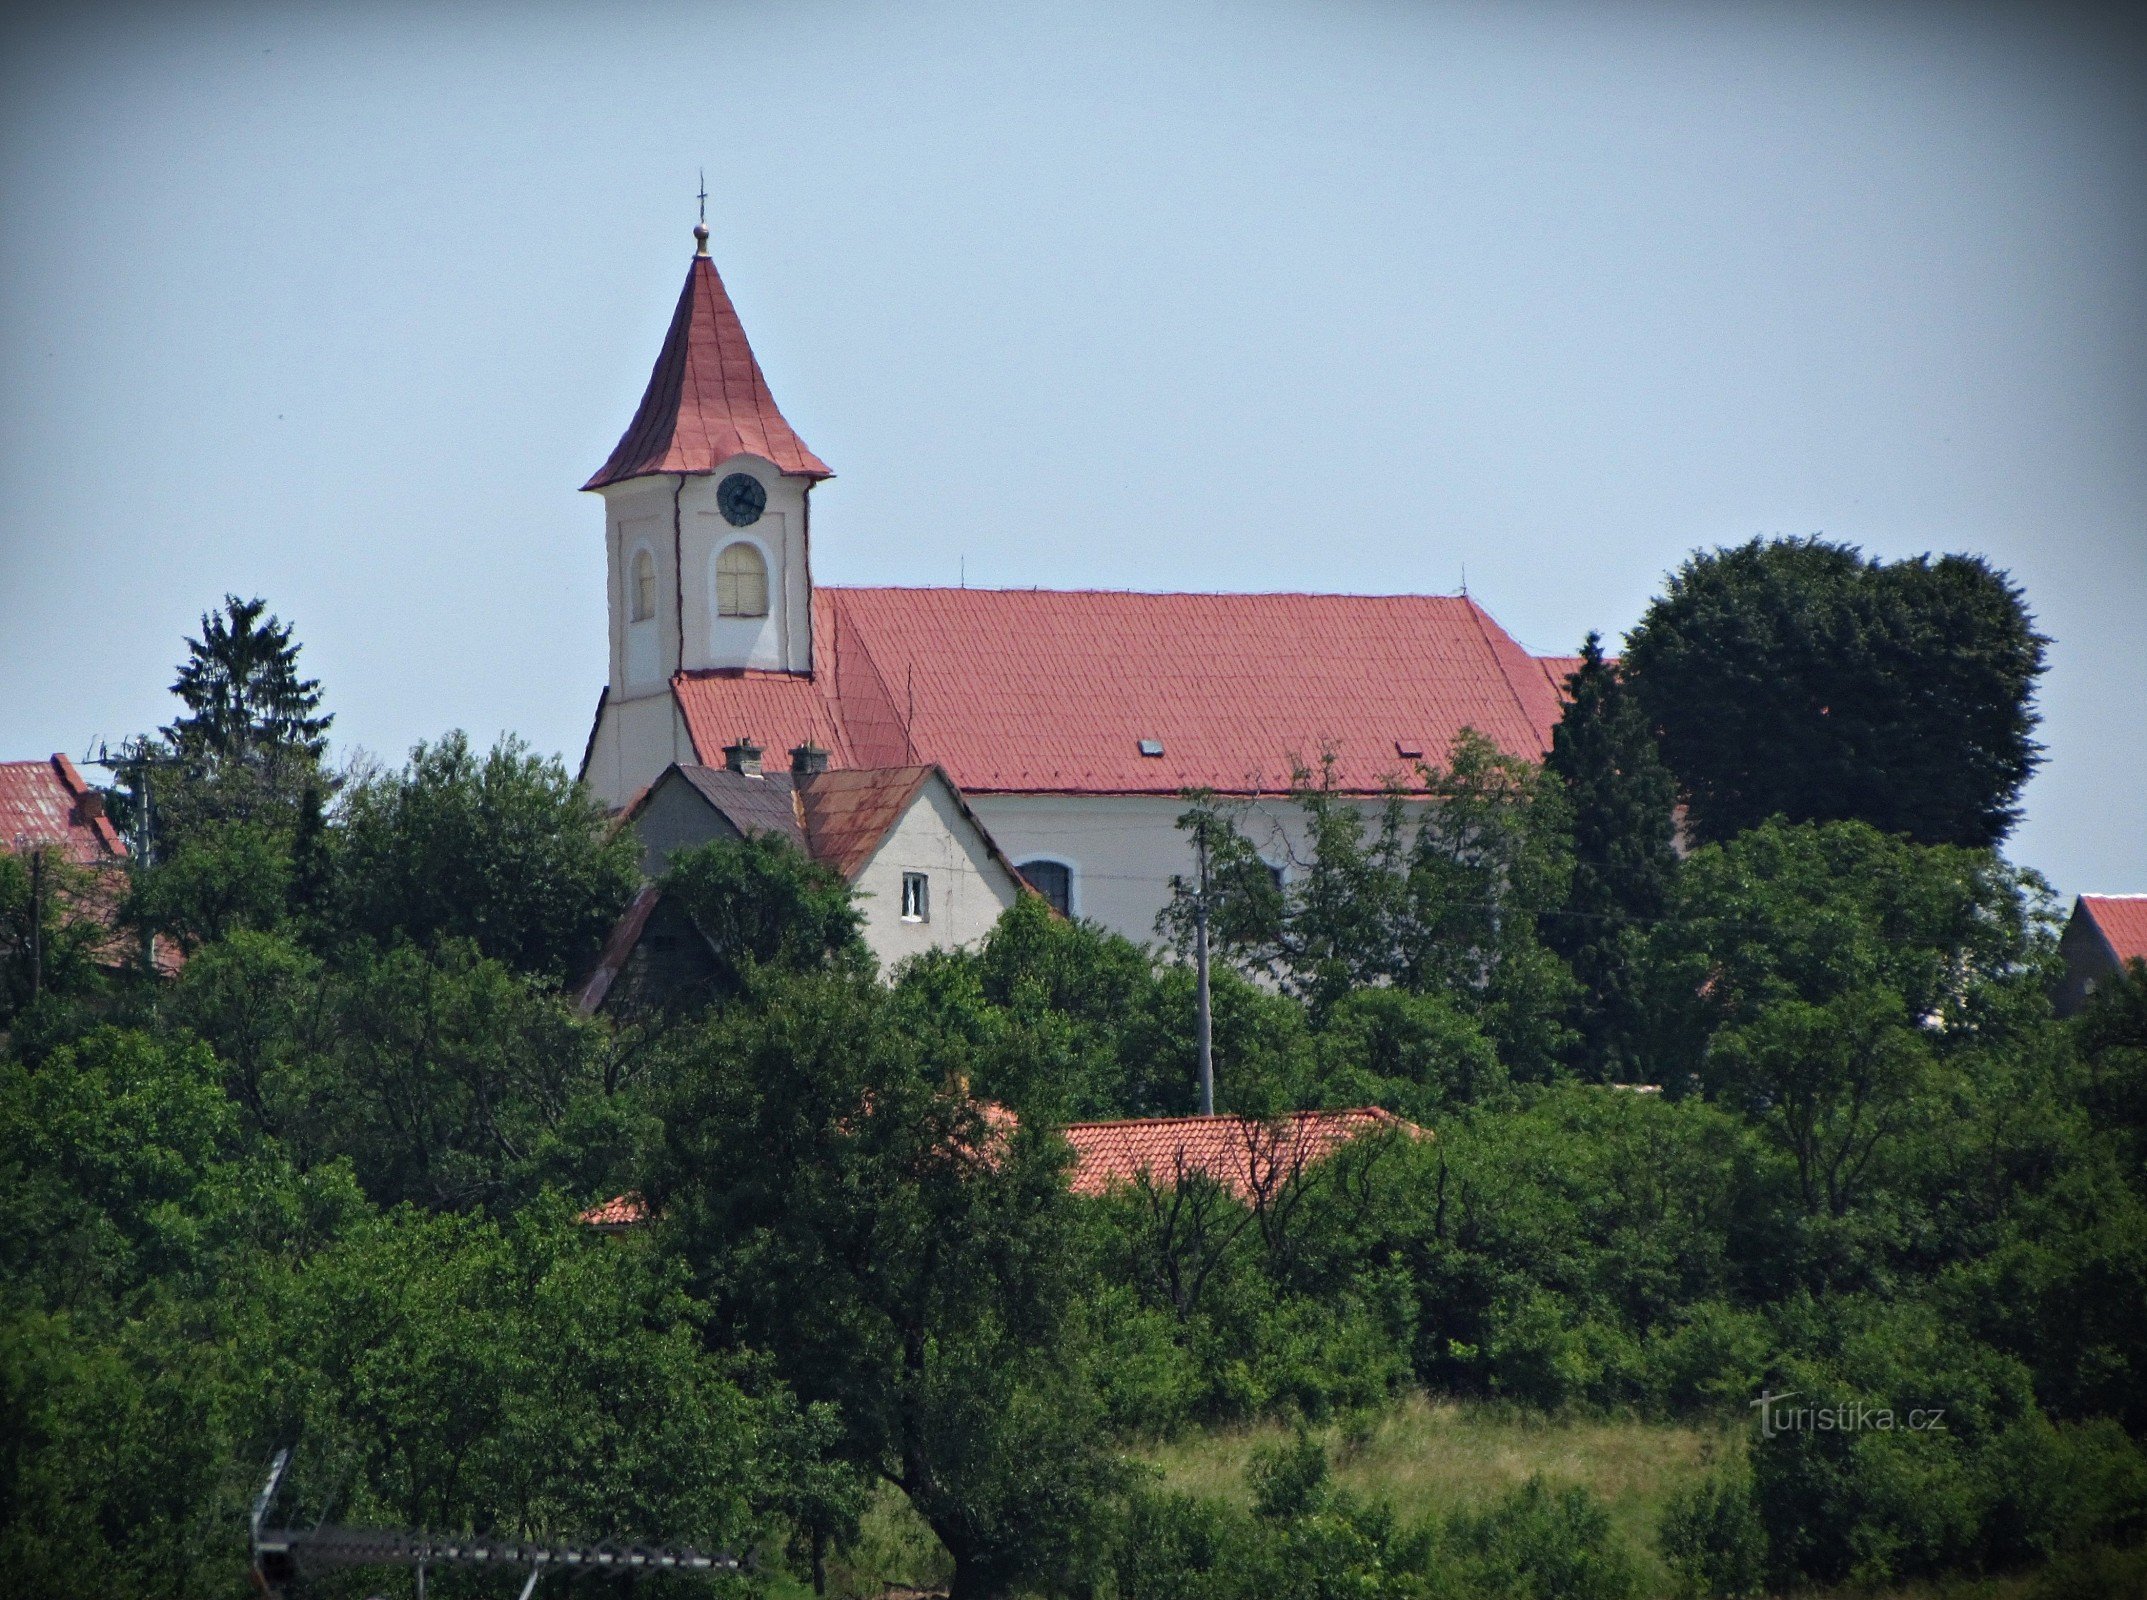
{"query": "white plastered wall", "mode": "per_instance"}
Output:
(1124, 849)
(969, 889)
(640, 514)
(640, 731)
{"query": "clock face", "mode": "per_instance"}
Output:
(741, 499)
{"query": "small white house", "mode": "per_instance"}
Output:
(924, 871)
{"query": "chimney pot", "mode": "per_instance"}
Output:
(744, 756)
(806, 759)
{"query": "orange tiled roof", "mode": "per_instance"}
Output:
(47, 803)
(847, 814)
(1055, 691)
(1246, 1155)
(2121, 919)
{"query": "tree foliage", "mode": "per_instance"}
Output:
(1797, 678)
(503, 849)
(1622, 801)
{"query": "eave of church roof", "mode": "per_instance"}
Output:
(706, 401)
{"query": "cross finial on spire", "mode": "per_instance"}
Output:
(700, 229)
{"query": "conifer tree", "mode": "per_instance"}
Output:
(250, 743)
(242, 690)
(1623, 807)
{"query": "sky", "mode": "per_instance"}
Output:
(338, 304)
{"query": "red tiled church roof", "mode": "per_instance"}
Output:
(1053, 691)
(47, 803)
(2121, 919)
(706, 400)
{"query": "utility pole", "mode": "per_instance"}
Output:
(37, 919)
(1206, 1014)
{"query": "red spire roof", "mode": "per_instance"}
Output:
(706, 400)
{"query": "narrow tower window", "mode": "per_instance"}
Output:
(741, 582)
(642, 606)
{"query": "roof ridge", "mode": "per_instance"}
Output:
(1137, 594)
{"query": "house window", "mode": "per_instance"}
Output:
(741, 582)
(916, 897)
(1053, 880)
(641, 604)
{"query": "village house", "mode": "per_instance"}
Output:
(1072, 722)
(45, 805)
(923, 870)
(2105, 932)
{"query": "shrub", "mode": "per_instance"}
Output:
(1713, 1540)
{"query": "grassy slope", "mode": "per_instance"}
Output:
(1427, 1455)
(1424, 1456)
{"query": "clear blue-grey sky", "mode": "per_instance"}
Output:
(337, 304)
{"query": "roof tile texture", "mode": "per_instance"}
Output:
(2121, 919)
(47, 803)
(847, 814)
(1246, 1155)
(706, 400)
(1053, 691)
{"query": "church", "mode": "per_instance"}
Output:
(1069, 723)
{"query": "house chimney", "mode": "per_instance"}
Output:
(89, 806)
(744, 756)
(807, 759)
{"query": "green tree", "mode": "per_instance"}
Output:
(223, 876)
(503, 849)
(252, 736)
(1622, 800)
(52, 929)
(1794, 677)
(761, 901)
(1453, 907)
(849, 1208)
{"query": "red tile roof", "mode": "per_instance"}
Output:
(47, 803)
(1053, 691)
(706, 400)
(778, 710)
(1246, 1155)
(2121, 919)
(847, 814)
(621, 1211)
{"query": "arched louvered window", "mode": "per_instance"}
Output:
(741, 582)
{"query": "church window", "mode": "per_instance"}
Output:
(916, 897)
(1053, 880)
(641, 603)
(741, 582)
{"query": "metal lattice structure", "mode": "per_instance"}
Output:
(281, 1554)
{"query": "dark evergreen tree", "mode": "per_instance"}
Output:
(244, 697)
(1795, 678)
(252, 738)
(1623, 802)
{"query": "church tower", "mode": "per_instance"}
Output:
(706, 510)
(706, 537)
